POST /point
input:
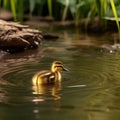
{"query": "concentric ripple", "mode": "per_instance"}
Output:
(91, 86)
(87, 75)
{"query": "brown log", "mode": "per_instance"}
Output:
(15, 37)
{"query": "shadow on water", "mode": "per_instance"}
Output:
(89, 91)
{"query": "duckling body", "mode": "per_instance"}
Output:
(46, 77)
(49, 76)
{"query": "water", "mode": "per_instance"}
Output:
(89, 91)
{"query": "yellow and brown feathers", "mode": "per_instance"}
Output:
(49, 76)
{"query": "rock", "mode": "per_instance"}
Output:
(15, 37)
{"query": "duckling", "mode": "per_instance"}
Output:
(49, 76)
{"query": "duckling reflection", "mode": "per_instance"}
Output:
(49, 80)
(52, 90)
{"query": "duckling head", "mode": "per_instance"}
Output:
(57, 66)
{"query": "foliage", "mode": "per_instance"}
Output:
(115, 14)
(65, 9)
(16, 6)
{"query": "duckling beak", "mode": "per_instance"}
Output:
(65, 69)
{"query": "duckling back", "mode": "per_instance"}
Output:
(46, 77)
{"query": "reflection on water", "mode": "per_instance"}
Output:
(52, 89)
(89, 91)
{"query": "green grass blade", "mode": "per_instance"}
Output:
(5, 2)
(13, 8)
(20, 9)
(115, 15)
(49, 2)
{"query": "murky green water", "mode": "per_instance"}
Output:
(89, 91)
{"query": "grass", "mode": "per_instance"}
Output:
(65, 9)
(13, 4)
(49, 3)
(115, 15)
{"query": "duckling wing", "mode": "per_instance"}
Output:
(48, 76)
(45, 76)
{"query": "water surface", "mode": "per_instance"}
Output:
(89, 91)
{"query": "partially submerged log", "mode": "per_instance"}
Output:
(15, 37)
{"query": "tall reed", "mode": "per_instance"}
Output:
(115, 15)
(68, 9)
(49, 3)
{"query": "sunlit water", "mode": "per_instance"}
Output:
(89, 91)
